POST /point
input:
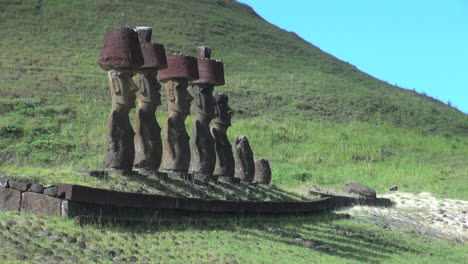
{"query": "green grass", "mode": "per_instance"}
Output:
(317, 119)
(322, 153)
(321, 239)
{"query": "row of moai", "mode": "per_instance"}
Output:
(135, 67)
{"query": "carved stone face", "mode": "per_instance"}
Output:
(178, 98)
(122, 88)
(223, 113)
(148, 88)
(204, 100)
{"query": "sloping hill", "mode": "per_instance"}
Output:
(49, 50)
(54, 98)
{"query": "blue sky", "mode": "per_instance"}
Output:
(415, 44)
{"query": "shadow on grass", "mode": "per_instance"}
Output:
(317, 232)
(220, 190)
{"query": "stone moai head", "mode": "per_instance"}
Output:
(211, 73)
(154, 56)
(223, 112)
(121, 56)
(178, 98)
(148, 88)
(122, 89)
(180, 70)
(204, 100)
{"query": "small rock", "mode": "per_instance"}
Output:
(111, 253)
(46, 252)
(360, 189)
(262, 171)
(393, 189)
(11, 223)
(51, 191)
(20, 256)
(71, 239)
(20, 186)
(58, 258)
(55, 238)
(37, 188)
(82, 244)
(4, 182)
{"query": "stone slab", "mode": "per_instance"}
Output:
(40, 204)
(10, 199)
(86, 200)
(37, 188)
(114, 198)
(73, 208)
(20, 186)
(51, 190)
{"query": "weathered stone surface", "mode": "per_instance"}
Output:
(37, 188)
(179, 66)
(210, 71)
(148, 143)
(360, 189)
(144, 33)
(262, 171)
(10, 199)
(179, 175)
(176, 141)
(228, 179)
(243, 156)
(40, 204)
(98, 174)
(154, 54)
(120, 152)
(20, 186)
(203, 155)
(225, 166)
(51, 191)
(120, 49)
(203, 178)
(4, 183)
(121, 199)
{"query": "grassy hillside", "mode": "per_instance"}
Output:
(318, 119)
(322, 239)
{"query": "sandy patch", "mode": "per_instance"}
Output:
(419, 213)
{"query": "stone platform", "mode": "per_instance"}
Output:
(75, 200)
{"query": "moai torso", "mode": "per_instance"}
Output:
(176, 149)
(120, 147)
(243, 156)
(203, 156)
(224, 168)
(148, 143)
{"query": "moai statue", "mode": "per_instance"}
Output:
(176, 149)
(224, 168)
(203, 158)
(243, 156)
(120, 56)
(148, 144)
(262, 172)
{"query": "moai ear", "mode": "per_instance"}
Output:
(199, 100)
(171, 92)
(142, 86)
(116, 84)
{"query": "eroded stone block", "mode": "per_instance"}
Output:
(40, 204)
(10, 199)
